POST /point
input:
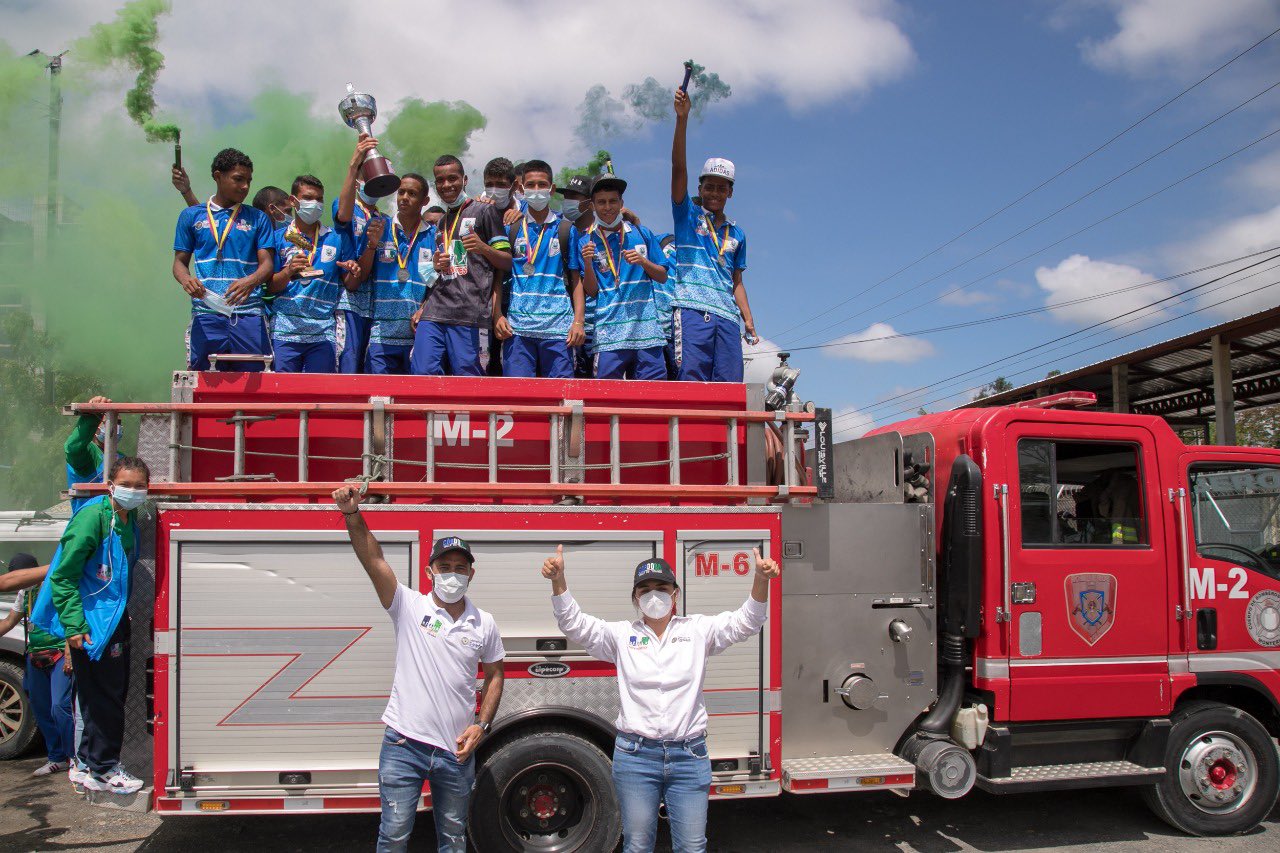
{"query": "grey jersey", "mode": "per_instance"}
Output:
(461, 296)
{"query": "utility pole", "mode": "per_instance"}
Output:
(55, 132)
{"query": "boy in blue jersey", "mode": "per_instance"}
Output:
(222, 255)
(473, 253)
(711, 253)
(303, 334)
(402, 275)
(615, 259)
(358, 218)
(545, 318)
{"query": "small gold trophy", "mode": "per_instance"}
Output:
(306, 244)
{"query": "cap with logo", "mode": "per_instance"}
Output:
(718, 167)
(656, 569)
(579, 184)
(450, 543)
(609, 182)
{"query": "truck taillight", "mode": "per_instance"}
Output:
(213, 805)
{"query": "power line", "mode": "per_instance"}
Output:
(1011, 315)
(1048, 344)
(1036, 188)
(1041, 221)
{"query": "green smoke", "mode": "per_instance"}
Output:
(101, 312)
(652, 101)
(130, 40)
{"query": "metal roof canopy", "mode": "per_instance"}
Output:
(1200, 378)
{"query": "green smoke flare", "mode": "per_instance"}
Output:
(131, 40)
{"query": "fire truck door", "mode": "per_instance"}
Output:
(1231, 510)
(1088, 573)
(718, 568)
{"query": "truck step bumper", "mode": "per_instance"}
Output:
(876, 772)
(1095, 774)
(138, 801)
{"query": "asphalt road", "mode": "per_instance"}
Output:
(44, 814)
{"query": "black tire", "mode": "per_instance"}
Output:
(563, 785)
(17, 720)
(1221, 772)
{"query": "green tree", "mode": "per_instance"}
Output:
(998, 386)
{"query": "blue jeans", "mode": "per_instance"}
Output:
(403, 765)
(648, 772)
(50, 689)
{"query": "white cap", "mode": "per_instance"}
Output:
(717, 167)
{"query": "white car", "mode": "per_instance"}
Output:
(36, 533)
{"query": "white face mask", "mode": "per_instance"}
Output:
(217, 303)
(127, 498)
(501, 195)
(457, 202)
(309, 211)
(609, 225)
(449, 587)
(655, 603)
(538, 199)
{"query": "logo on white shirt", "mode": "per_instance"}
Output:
(328, 253)
(432, 626)
(639, 642)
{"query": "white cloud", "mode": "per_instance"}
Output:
(1232, 239)
(868, 346)
(967, 298)
(1156, 35)
(1262, 176)
(851, 422)
(807, 52)
(1080, 276)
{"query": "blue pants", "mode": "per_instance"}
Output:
(532, 357)
(241, 334)
(355, 344)
(384, 359)
(648, 772)
(403, 765)
(584, 359)
(708, 348)
(312, 357)
(443, 348)
(631, 364)
(50, 689)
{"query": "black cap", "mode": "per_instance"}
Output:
(22, 560)
(450, 543)
(656, 569)
(609, 182)
(577, 184)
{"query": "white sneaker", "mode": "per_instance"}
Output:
(78, 772)
(50, 767)
(118, 781)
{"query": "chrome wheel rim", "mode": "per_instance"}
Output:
(1218, 773)
(11, 711)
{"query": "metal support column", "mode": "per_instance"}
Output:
(1224, 401)
(673, 450)
(304, 442)
(1120, 388)
(615, 452)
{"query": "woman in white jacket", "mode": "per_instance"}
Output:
(660, 754)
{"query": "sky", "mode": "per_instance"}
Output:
(867, 134)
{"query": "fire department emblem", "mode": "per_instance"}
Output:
(1262, 618)
(1091, 605)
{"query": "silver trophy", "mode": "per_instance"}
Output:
(359, 110)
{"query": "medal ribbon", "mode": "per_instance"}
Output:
(604, 240)
(716, 238)
(532, 251)
(403, 260)
(213, 225)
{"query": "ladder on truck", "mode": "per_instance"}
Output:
(169, 425)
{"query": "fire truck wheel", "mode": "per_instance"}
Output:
(552, 792)
(17, 721)
(1221, 773)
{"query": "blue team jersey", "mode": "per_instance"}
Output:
(359, 301)
(304, 310)
(664, 293)
(395, 301)
(626, 317)
(251, 231)
(540, 305)
(704, 280)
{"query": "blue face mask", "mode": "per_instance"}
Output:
(309, 211)
(372, 202)
(570, 208)
(127, 498)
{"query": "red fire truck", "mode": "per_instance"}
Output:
(1023, 598)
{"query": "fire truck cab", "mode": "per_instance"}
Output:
(1021, 598)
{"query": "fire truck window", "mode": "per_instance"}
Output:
(1080, 494)
(1235, 511)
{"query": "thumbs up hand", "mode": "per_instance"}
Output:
(553, 567)
(766, 567)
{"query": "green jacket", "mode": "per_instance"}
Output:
(83, 455)
(38, 640)
(87, 530)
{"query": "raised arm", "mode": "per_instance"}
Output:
(22, 578)
(679, 164)
(587, 631)
(76, 448)
(367, 549)
(734, 626)
(347, 195)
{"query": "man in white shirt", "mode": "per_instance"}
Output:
(660, 754)
(442, 639)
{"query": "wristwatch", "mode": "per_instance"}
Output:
(484, 727)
